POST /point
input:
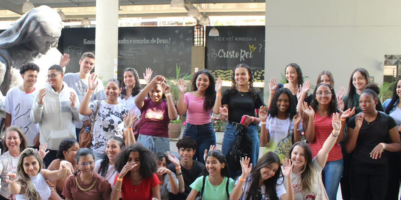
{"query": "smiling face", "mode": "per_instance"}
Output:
(186, 154)
(31, 165)
(112, 90)
(298, 157)
(129, 79)
(86, 65)
(359, 81)
(367, 103)
(156, 93)
(13, 140)
(55, 78)
(30, 77)
(323, 95)
(112, 148)
(398, 90)
(269, 171)
(70, 154)
(242, 76)
(202, 82)
(214, 166)
(283, 102)
(86, 164)
(291, 75)
(325, 79)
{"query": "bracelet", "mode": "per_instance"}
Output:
(90, 90)
(242, 179)
(335, 135)
(129, 129)
(120, 179)
(272, 91)
(384, 146)
(168, 94)
(343, 119)
(118, 190)
(218, 94)
(253, 119)
(262, 123)
(179, 174)
(179, 167)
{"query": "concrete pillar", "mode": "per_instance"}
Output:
(106, 47)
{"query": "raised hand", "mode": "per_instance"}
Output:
(348, 113)
(72, 99)
(212, 148)
(127, 167)
(341, 93)
(65, 165)
(130, 120)
(157, 79)
(65, 59)
(286, 168)
(296, 119)
(11, 177)
(219, 85)
(165, 88)
(246, 167)
(173, 159)
(308, 110)
(273, 84)
(224, 111)
(263, 114)
(377, 151)
(42, 94)
(148, 75)
(42, 150)
(182, 86)
(162, 170)
(336, 122)
(359, 120)
(306, 87)
(340, 104)
(92, 81)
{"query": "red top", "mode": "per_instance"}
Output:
(323, 129)
(142, 191)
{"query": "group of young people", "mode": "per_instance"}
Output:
(312, 142)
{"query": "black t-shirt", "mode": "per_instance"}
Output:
(309, 99)
(240, 104)
(370, 135)
(189, 177)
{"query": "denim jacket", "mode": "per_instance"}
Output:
(387, 102)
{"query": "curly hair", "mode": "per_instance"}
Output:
(64, 146)
(28, 66)
(225, 172)
(270, 184)
(233, 83)
(332, 104)
(24, 142)
(187, 143)
(351, 87)
(297, 68)
(137, 88)
(394, 98)
(291, 111)
(210, 96)
(23, 177)
(148, 161)
(104, 164)
(308, 173)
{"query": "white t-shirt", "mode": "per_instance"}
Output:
(109, 122)
(19, 104)
(110, 174)
(40, 185)
(319, 192)
(81, 86)
(396, 115)
(280, 188)
(8, 164)
(130, 104)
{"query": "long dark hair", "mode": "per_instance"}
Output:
(137, 88)
(270, 184)
(307, 173)
(104, 164)
(291, 111)
(233, 83)
(394, 98)
(148, 161)
(225, 172)
(351, 87)
(210, 96)
(333, 102)
(327, 73)
(64, 146)
(297, 68)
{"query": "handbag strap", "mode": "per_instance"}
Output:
(203, 186)
(94, 116)
(228, 181)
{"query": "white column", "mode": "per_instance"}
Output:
(106, 47)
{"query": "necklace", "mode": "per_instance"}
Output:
(242, 94)
(89, 188)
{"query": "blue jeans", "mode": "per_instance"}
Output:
(154, 143)
(331, 175)
(204, 136)
(252, 133)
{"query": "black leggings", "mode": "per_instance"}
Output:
(369, 180)
(3, 198)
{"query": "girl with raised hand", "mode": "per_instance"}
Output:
(370, 135)
(215, 184)
(86, 183)
(264, 181)
(109, 119)
(105, 167)
(392, 107)
(241, 100)
(137, 177)
(317, 120)
(198, 105)
(31, 182)
(67, 151)
(306, 174)
(280, 125)
(157, 111)
(168, 180)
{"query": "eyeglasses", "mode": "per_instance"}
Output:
(86, 164)
(53, 75)
(324, 93)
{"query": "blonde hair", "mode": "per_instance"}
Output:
(21, 135)
(24, 179)
(308, 172)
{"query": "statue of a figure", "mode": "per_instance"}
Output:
(29, 39)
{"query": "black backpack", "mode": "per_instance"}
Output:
(241, 147)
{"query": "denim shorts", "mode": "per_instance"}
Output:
(154, 143)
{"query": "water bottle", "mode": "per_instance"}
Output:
(87, 129)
